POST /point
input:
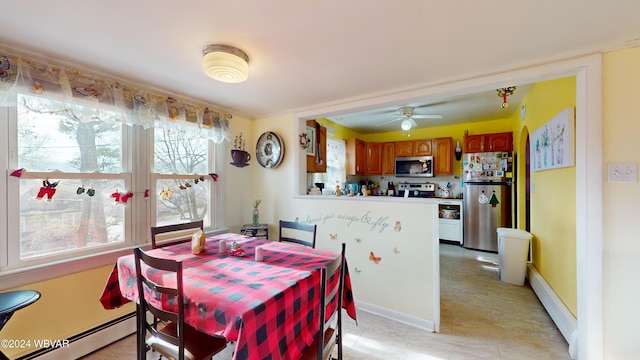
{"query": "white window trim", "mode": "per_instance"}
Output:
(138, 213)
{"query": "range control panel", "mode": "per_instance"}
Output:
(416, 190)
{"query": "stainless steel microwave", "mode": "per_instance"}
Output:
(420, 166)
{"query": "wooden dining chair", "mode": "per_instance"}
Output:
(299, 233)
(330, 325)
(170, 336)
(174, 234)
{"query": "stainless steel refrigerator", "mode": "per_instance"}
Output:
(487, 198)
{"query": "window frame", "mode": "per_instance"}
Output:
(138, 217)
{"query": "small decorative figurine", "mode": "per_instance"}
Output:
(338, 191)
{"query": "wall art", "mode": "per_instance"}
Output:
(553, 144)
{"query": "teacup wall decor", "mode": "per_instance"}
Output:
(239, 156)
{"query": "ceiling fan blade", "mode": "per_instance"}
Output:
(427, 116)
(389, 122)
(413, 123)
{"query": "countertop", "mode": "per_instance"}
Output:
(378, 198)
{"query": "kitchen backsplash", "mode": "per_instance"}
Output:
(442, 182)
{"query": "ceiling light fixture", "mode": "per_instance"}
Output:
(225, 63)
(405, 125)
(503, 93)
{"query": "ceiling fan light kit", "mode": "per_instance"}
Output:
(407, 118)
(225, 63)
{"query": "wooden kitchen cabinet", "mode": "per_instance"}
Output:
(374, 158)
(488, 142)
(473, 143)
(404, 148)
(388, 158)
(500, 141)
(356, 156)
(442, 156)
(409, 148)
(422, 147)
(318, 163)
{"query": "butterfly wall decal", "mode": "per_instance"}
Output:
(358, 240)
(398, 226)
(333, 236)
(372, 257)
(395, 250)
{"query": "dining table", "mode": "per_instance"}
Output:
(267, 305)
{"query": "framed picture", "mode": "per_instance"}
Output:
(311, 138)
(553, 143)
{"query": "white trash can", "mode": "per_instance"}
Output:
(513, 250)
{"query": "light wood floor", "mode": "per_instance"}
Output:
(481, 318)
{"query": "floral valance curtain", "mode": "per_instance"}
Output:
(101, 94)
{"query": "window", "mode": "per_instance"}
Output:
(84, 186)
(63, 204)
(336, 165)
(178, 155)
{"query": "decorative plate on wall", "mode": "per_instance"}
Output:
(269, 150)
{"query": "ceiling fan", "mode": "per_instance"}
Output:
(407, 117)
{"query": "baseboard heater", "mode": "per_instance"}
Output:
(88, 341)
(561, 316)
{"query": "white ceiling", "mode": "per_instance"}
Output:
(307, 54)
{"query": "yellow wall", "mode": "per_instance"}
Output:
(553, 212)
(68, 305)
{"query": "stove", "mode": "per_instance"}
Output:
(423, 190)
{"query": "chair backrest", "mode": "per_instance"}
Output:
(299, 233)
(174, 234)
(327, 336)
(159, 288)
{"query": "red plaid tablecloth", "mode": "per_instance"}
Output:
(269, 308)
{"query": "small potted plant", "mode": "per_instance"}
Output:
(256, 213)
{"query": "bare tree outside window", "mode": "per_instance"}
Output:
(183, 152)
(53, 138)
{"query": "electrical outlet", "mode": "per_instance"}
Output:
(622, 172)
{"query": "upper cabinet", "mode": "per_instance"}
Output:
(356, 156)
(500, 141)
(404, 148)
(374, 158)
(442, 156)
(378, 158)
(410, 148)
(317, 163)
(389, 158)
(488, 142)
(422, 147)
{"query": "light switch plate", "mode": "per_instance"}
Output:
(622, 172)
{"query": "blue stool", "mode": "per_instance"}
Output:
(12, 301)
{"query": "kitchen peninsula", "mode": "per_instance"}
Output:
(392, 250)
